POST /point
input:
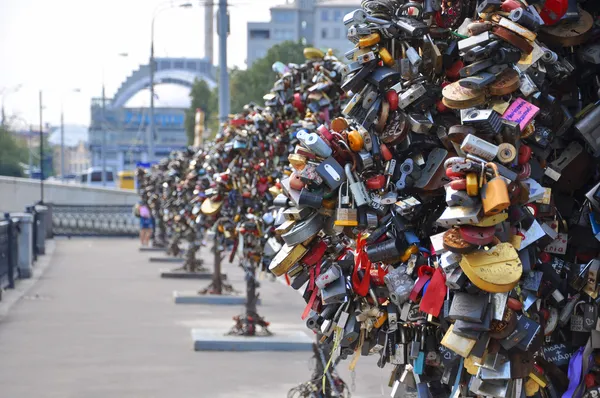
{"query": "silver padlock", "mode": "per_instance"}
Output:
(359, 191)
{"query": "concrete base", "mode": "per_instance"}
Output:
(152, 249)
(166, 260)
(216, 340)
(216, 299)
(188, 275)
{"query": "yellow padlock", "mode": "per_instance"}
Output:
(369, 40)
(472, 184)
(355, 141)
(494, 194)
(386, 57)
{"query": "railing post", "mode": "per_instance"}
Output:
(34, 227)
(10, 253)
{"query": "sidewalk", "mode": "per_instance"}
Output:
(101, 323)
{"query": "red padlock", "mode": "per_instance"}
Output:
(375, 182)
(392, 99)
(324, 131)
(523, 171)
(385, 152)
(298, 104)
(459, 185)
(524, 154)
(479, 236)
(510, 5)
(453, 72)
(295, 182)
(553, 10)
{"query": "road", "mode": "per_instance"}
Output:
(101, 323)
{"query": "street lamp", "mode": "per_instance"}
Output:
(157, 11)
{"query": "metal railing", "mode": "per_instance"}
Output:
(94, 220)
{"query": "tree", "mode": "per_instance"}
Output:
(252, 84)
(202, 97)
(11, 154)
(246, 86)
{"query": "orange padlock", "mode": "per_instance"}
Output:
(355, 141)
(494, 193)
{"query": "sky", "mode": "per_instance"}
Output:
(61, 46)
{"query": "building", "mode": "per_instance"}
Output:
(315, 22)
(77, 158)
(127, 128)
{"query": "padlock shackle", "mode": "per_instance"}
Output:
(494, 167)
(349, 174)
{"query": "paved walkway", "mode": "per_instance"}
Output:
(101, 323)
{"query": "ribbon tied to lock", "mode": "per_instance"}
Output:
(361, 262)
(424, 272)
(367, 317)
(314, 272)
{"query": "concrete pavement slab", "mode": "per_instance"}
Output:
(166, 260)
(177, 274)
(217, 340)
(213, 299)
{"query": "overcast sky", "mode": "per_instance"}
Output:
(59, 45)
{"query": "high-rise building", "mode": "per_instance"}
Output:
(314, 22)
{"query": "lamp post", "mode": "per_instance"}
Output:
(41, 152)
(223, 26)
(151, 132)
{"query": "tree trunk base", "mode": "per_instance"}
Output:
(334, 385)
(250, 325)
(226, 289)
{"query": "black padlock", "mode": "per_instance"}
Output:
(310, 199)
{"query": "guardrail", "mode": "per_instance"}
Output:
(94, 220)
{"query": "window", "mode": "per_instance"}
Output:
(337, 15)
(165, 65)
(283, 34)
(324, 33)
(324, 15)
(337, 33)
(260, 34)
(191, 65)
(178, 65)
(282, 16)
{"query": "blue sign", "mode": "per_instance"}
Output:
(174, 120)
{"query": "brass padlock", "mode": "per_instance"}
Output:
(345, 217)
(494, 194)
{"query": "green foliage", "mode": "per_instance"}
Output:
(11, 153)
(252, 84)
(202, 97)
(246, 86)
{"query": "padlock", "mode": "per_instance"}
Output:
(346, 217)
(359, 192)
(577, 323)
(355, 141)
(332, 173)
(494, 193)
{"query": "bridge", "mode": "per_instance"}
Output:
(127, 127)
(180, 71)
